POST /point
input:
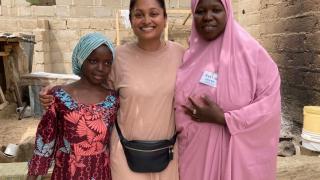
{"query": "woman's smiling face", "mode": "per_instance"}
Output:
(148, 19)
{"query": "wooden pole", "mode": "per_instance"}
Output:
(185, 21)
(14, 74)
(15, 81)
(166, 31)
(7, 70)
(3, 100)
(117, 28)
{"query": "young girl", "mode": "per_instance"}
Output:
(75, 130)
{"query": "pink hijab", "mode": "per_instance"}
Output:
(248, 91)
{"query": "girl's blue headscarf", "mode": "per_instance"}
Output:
(84, 48)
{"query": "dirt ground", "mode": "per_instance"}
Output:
(17, 131)
(13, 130)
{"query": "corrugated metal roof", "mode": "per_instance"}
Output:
(8, 37)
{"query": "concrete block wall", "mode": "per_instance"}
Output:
(290, 31)
(248, 14)
(58, 28)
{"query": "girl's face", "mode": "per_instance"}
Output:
(148, 20)
(210, 19)
(98, 65)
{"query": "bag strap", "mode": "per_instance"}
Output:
(119, 132)
(174, 138)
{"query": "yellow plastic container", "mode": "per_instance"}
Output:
(311, 122)
(311, 128)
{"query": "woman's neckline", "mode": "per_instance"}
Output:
(164, 46)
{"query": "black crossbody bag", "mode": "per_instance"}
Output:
(147, 156)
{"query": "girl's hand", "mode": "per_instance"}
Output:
(209, 112)
(45, 99)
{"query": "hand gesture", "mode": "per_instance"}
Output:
(45, 99)
(209, 112)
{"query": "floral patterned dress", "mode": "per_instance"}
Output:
(75, 137)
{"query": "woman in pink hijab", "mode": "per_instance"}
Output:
(227, 101)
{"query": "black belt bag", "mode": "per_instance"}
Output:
(147, 156)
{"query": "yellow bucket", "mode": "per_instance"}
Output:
(311, 122)
(311, 128)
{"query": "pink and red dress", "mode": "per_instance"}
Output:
(75, 137)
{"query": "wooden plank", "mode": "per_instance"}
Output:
(117, 28)
(7, 71)
(5, 39)
(166, 31)
(4, 53)
(6, 63)
(15, 81)
(2, 98)
(8, 48)
(3, 105)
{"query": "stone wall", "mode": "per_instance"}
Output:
(290, 31)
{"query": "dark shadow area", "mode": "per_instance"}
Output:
(42, 2)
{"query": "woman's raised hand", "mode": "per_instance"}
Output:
(45, 99)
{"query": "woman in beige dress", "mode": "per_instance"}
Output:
(144, 74)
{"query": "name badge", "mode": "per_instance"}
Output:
(209, 78)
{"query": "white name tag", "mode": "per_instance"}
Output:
(209, 78)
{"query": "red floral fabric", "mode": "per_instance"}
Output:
(76, 137)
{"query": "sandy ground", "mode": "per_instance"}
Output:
(13, 130)
(17, 131)
(299, 168)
